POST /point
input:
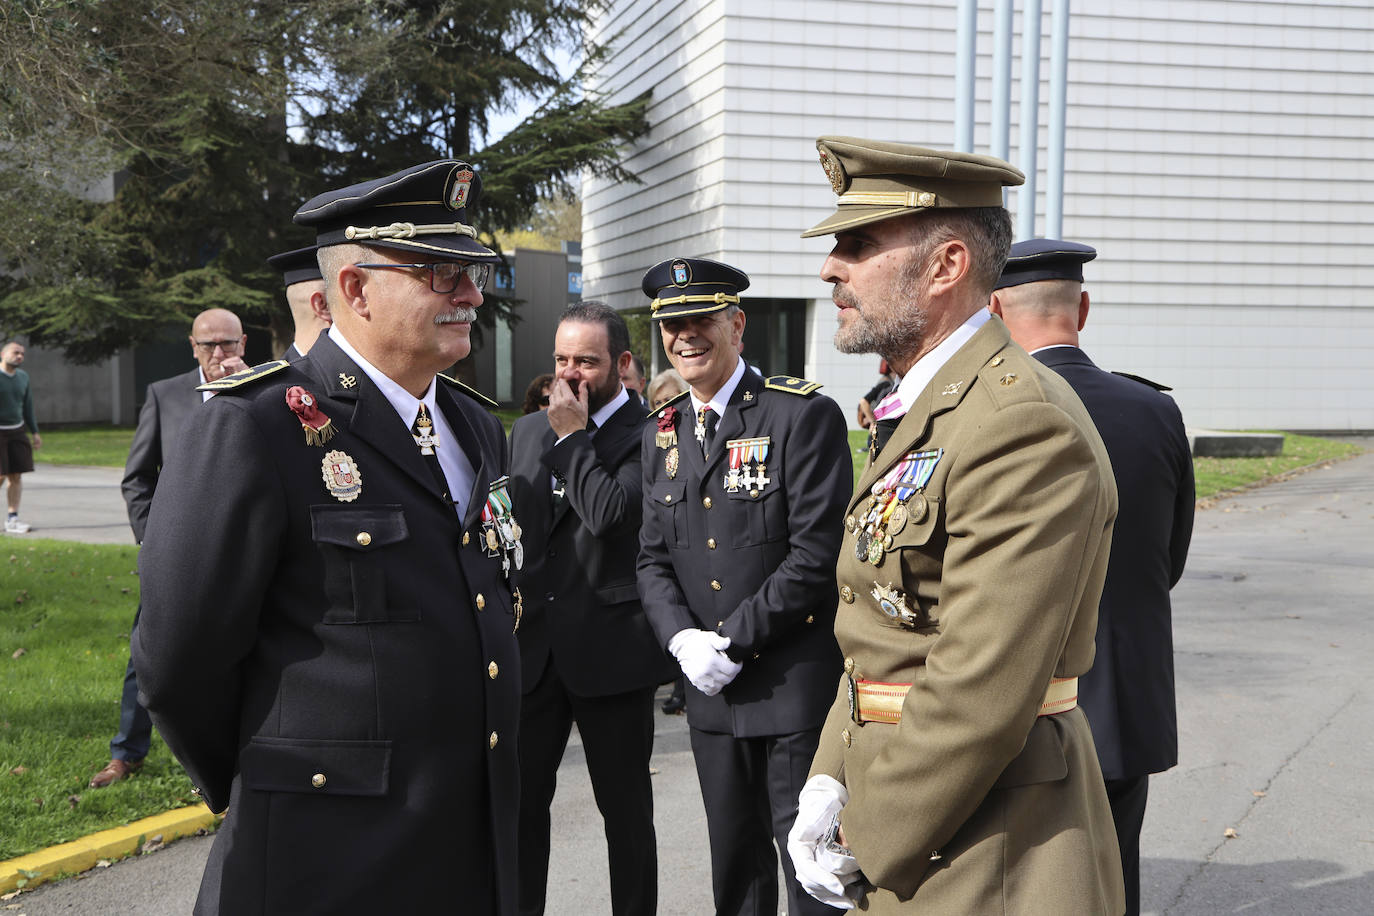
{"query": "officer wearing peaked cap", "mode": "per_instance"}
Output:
(339, 667)
(954, 772)
(300, 272)
(1128, 696)
(745, 479)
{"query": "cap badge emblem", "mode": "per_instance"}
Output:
(459, 183)
(682, 273)
(833, 171)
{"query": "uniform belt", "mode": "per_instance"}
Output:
(875, 701)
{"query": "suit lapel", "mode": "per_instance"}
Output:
(483, 473)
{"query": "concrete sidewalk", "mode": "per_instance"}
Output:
(74, 503)
(1275, 715)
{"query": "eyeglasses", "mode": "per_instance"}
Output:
(444, 276)
(228, 346)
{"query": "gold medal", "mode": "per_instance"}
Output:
(918, 508)
(897, 520)
(670, 462)
(492, 542)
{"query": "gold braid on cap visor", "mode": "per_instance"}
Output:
(408, 231)
(717, 298)
(888, 199)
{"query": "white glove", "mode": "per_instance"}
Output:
(827, 871)
(701, 654)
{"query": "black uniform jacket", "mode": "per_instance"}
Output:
(582, 610)
(1128, 695)
(161, 420)
(340, 672)
(758, 564)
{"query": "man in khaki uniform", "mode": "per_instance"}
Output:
(955, 773)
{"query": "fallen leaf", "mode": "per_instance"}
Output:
(10, 896)
(103, 863)
(153, 845)
(1231, 833)
(19, 652)
(1259, 793)
(19, 770)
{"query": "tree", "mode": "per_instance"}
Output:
(219, 117)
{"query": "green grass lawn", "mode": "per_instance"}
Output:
(65, 612)
(94, 446)
(1213, 475)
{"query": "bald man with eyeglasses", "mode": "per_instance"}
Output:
(217, 341)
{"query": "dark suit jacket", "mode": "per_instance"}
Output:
(582, 610)
(161, 422)
(758, 569)
(341, 673)
(1129, 693)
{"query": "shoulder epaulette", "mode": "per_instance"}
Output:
(791, 384)
(246, 377)
(673, 400)
(473, 393)
(1142, 380)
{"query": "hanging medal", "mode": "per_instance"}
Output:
(666, 438)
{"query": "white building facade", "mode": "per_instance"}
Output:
(1216, 156)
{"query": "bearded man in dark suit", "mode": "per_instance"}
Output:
(1128, 695)
(587, 651)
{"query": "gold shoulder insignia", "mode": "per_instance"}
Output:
(473, 393)
(247, 376)
(791, 384)
(1142, 380)
(673, 400)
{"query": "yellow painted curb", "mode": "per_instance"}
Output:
(79, 855)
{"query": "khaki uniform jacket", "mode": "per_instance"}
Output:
(972, 804)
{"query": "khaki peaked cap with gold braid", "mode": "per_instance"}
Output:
(876, 180)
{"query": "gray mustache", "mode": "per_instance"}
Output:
(459, 314)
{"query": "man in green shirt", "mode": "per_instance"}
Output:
(16, 423)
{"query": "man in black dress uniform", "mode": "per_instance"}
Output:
(331, 655)
(300, 272)
(1128, 695)
(587, 652)
(745, 484)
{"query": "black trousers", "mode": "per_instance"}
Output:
(617, 738)
(750, 788)
(1127, 798)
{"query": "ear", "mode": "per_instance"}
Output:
(623, 363)
(995, 305)
(949, 266)
(737, 323)
(1082, 309)
(351, 283)
(319, 307)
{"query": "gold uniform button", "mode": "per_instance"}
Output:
(318, 780)
(668, 498)
(719, 624)
(706, 501)
(480, 601)
(711, 543)
(466, 537)
(848, 738)
(810, 619)
(492, 671)
(996, 361)
(849, 666)
(850, 523)
(363, 539)
(715, 585)
(846, 594)
(491, 742)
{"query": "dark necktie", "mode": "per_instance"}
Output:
(882, 431)
(706, 424)
(427, 440)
